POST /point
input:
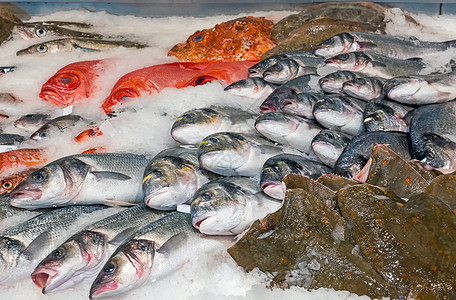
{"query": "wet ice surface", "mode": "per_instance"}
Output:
(147, 132)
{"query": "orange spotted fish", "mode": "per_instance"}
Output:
(9, 183)
(245, 38)
(22, 158)
(153, 79)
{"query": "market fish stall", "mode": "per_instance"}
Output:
(235, 156)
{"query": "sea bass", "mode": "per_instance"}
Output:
(301, 104)
(75, 44)
(329, 144)
(382, 44)
(255, 87)
(83, 255)
(73, 83)
(153, 79)
(172, 177)
(305, 57)
(333, 82)
(228, 206)
(340, 112)
(365, 88)
(433, 136)
(152, 253)
(358, 151)
(245, 38)
(277, 167)
(288, 130)
(376, 65)
(230, 153)
(286, 70)
(99, 178)
(23, 246)
(420, 90)
(193, 126)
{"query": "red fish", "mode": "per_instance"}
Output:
(87, 134)
(9, 183)
(153, 79)
(22, 158)
(73, 83)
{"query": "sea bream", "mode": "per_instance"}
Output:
(340, 112)
(382, 44)
(255, 88)
(332, 83)
(74, 44)
(193, 126)
(357, 152)
(376, 65)
(83, 255)
(23, 246)
(155, 251)
(328, 145)
(98, 178)
(420, 90)
(228, 206)
(172, 177)
(277, 167)
(433, 136)
(386, 115)
(288, 130)
(230, 153)
(365, 88)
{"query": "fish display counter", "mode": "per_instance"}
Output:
(254, 150)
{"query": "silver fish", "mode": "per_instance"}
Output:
(230, 153)
(57, 125)
(301, 104)
(228, 206)
(194, 125)
(365, 88)
(255, 87)
(10, 216)
(288, 130)
(339, 112)
(172, 177)
(376, 65)
(22, 246)
(83, 255)
(7, 69)
(358, 151)
(279, 166)
(258, 69)
(382, 44)
(152, 253)
(32, 122)
(73, 44)
(385, 115)
(11, 139)
(419, 90)
(286, 70)
(333, 82)
(40, 30)
(433, 136)
(328, 145)
(98, 178)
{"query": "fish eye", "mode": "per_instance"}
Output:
(59, 253)
(201, 80)
(157, 173)
(329, 42)
(360, 81)
(277, 67)
(43, 134)
(206, 196)
(343, 56)
(430, 154)
(38, 177)
(7, 185)
(198, 38)
(42, 48)
(28, 116)
(40, 32)
(110, 268)
(93, 133)
(68, 81)
(188, 116)
(213, 140)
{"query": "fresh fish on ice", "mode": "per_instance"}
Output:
(329, 144)
(386, 115)
(57, 126)
(255, 87)
(365, 88)
(301, 104)
(333, 82)
(32, 122)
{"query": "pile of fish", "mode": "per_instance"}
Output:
(364, 106)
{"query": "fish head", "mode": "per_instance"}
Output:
(273, 172)
(44, 132)
(276, 126)
(31, 31)
(302, 105)
(328, 144)
(217, 209)
(438, 153)
(257, 69)
(31, 121)
(275, 100)
(71, 84)
(223, 152)
(46, 48)
(71, 262)
(192, 126)
(126, 89)
(403, 88)
(251, 87)
(52, 185)
(128, 268)
(280, 72)
(88, 134)
(332, 110)
(353, 61)
(10, 251)
(338, 44)
(349, 165)
(167, 184)
(333, 82)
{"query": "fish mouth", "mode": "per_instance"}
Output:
(25, 195)
(196, 221)
(51, 96)
(43, 279)
(274, 189)
(105, 287)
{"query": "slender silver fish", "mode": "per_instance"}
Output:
(52, 29)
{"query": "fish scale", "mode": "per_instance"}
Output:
(128, 164)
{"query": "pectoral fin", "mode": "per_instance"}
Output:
(110, 175)
(173, 243)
